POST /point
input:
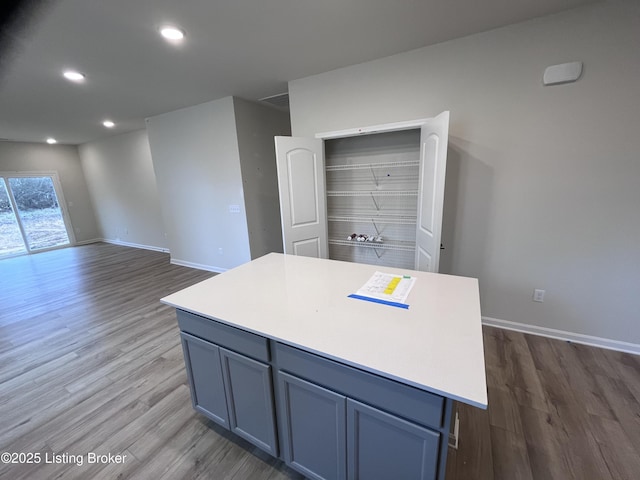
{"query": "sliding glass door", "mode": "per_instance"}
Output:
(31, 218)
(11, 240)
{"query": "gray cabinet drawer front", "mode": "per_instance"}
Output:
(408, 402)
(232, 338)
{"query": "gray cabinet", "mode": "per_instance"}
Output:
(384, 446)
(334, 422)
(231, 388)
(249, 400)
(338, 422)
(204, 371)
(327, 436)
(313, 428)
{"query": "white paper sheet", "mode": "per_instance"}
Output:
(388, 287)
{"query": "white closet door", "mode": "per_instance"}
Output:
(433, 165)
(301, 183)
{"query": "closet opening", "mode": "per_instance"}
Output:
(368, 195)
(372, 197)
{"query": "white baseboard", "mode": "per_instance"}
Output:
(134, 245)
(174, 261)
(199, 266)
(563, 335)
(87, 242)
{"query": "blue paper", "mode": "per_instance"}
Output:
(378, 300)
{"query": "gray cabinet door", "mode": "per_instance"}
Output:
(204, 371)
(250, 400)
(382, 446)
(313, 428)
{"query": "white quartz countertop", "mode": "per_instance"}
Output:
(435, 345)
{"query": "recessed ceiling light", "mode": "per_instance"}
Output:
(51, 140)
(172, 33)
(108, 124)
(73, 75)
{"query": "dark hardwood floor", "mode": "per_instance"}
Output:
(90, 361)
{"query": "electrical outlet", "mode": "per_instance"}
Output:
(234, 208)
(538, 295)
(220, 251)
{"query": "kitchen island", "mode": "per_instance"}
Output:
(337, 387)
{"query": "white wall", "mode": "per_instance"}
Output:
(122, 183)
(63, 159)
(256, 125)
(543, 182)
(197, 166)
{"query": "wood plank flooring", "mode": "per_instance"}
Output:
(90, 361)
(557, 410)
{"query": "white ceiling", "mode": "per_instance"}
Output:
(247, 48)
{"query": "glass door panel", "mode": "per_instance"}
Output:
(11, 242)
(39, 211)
